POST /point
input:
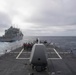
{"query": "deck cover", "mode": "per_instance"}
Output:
(38, 54)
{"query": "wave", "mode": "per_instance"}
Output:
(9, 46)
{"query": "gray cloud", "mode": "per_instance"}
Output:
(64, 14)
(46, 17)
(5, 21)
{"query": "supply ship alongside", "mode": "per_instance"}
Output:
(12, 34)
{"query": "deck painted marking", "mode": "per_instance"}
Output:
(24, 58)
(57, 53)
(48, 58)
(19, 53)
(47, 52)
(53, 58)
(30, 52)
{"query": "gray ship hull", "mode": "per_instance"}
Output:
(11, 34)
(17, 38)
(16, 62)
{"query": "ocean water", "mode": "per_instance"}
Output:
(9, 46)
(67, 43)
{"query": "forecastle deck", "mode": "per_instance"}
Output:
(16, 62)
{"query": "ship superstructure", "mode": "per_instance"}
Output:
(11, 34)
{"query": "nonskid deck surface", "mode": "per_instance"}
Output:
(16, 62)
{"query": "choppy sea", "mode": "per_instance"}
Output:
(65, 42)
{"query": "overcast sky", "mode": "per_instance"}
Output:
(39, 17)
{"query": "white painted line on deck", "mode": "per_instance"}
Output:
(14, 52)
(24, 58)
(19, 53)
(53, 58)
(48, 58)
(64, 52)
(47, 52)
(57, 53)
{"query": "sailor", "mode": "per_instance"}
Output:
(29, 46)
(45, 42)
(37, 40)
(71, 52)
(5, 51)
(24, 46)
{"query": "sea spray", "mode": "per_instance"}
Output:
(9, 46)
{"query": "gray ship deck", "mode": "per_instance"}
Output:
(16, 62)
